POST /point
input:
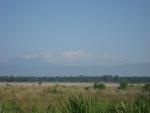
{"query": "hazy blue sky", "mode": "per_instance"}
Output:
(75, 31)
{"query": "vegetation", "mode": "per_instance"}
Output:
(123, 85)
(104, 78)
(73, 99)
(147, 87)
(99, 86)
(85, 104)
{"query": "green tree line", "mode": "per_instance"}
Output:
(81, 78)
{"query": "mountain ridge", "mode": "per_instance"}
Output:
(36, 66)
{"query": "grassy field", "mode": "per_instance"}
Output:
(72, 98)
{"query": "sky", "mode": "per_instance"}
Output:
(75, 32)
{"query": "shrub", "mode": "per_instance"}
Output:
(147, 87)
(123, 85)
(99, 86)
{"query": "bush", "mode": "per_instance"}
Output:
(123, 85)
(99, 86)
(147, 87)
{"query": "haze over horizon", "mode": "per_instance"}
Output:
(74, 33)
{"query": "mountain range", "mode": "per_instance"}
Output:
(38, 67)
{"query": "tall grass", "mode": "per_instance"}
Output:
(84, 104)
(10, 107)
(140, 105)
(70, 100)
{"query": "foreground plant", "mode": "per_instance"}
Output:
(140, 105)
(10, 107)
(84, 104)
